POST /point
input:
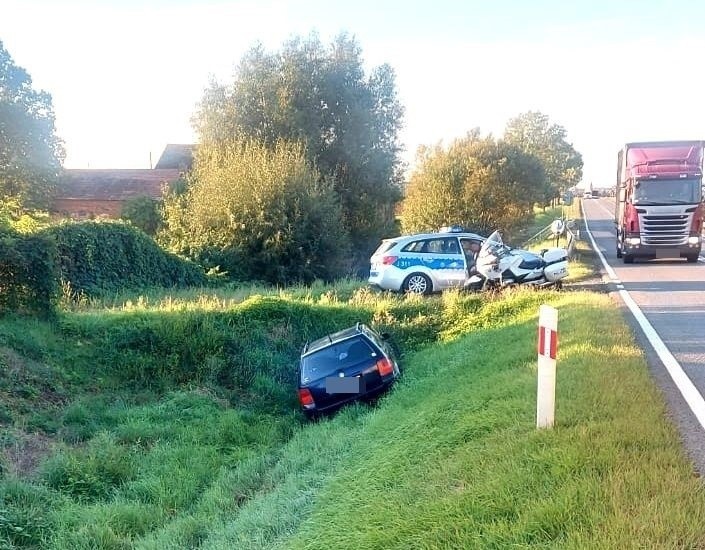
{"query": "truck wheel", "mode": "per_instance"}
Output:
(692, 258)
(628, 259)
(417, 283)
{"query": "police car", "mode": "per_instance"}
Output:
(422, 263)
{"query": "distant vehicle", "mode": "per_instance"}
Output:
(659, 211)
(423, 263)
(595, 194)
(345, 366)
(587, 195)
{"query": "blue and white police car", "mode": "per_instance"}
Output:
(423, 263)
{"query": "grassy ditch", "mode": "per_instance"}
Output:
(452, 458)
(172, 424)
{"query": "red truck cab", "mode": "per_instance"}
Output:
(659, 210)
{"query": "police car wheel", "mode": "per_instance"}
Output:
(417, 283)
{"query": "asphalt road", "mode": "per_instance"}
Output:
(671, 294)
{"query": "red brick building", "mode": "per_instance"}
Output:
(89, 193)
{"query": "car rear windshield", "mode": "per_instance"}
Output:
(331, 359)
(383, 247)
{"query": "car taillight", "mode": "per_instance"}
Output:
(384, 367)
(389, 260)
(306, 398)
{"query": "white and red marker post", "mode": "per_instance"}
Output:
(548, 348)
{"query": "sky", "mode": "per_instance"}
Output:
(126, 75)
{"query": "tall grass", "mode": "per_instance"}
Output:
(452, 459)
(182, 431)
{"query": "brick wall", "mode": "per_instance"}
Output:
(87, 208)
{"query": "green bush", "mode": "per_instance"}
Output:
(143, 212)
(27, 273)
(95, 257)
(258, 214)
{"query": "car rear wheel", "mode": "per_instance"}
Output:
(417, 283)
(692, 258)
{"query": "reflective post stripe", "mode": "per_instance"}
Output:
(547, 350)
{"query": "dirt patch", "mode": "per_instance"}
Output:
(26, 452)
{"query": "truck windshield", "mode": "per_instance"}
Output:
(681, 191)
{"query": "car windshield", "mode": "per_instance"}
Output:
(681, 191)
(337, 357)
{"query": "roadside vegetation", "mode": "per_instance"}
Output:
(173, 425)
(145, 403)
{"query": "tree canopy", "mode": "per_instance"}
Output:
(479, 183)
(321, 97)
(533, 133)
(30, 152)
(258, 213)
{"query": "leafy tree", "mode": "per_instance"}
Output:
(257, 213)
(320, 97)
(533, 133)
(15, 218)
(479, 183)
(144, 213)
(30, 152)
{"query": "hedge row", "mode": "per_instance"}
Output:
(95, 257)
(28, 281)
(90, 257)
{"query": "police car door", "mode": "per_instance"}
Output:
(443, 256)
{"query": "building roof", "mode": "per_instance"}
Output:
(176, 155)
(118, 185)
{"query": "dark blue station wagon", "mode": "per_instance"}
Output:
(345, 366)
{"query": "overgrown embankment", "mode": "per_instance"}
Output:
(174, 426)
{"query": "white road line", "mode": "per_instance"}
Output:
(689, 392)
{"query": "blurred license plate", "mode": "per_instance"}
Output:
(339, 384)
(668, 253)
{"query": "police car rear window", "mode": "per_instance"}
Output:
(384, 246)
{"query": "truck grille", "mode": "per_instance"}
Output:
(665, 229)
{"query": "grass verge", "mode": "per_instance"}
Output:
(448, 459)
(452, 458)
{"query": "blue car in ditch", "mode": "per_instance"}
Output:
(345, 366)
